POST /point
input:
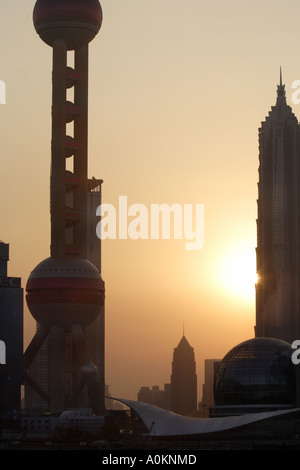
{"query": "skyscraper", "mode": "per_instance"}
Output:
(11, 336)
(278, 231)
(184, 380)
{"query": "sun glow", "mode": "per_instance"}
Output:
(237, 271)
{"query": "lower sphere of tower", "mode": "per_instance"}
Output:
(65, 292)
(76, 22)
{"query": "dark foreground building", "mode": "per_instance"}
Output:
(11, 343)
(253, 431)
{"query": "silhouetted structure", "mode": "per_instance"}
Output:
(65, 292)
(155, 396)
(184, 380)
(278, 234)
(208, 401)
(95, 333)
(258, 375)
(11, 347)
(255, 376)
(179, 396)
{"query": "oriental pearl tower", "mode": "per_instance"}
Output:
(65, 292)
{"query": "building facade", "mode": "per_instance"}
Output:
(184, 380)
(155, 396)
(208, 400)
(278, 234)
(11, 339)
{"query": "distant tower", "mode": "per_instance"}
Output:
(65, 292)
(11, 342)
(184, 380)
(278, 234)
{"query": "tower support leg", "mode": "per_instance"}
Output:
(56, 369)
(88, 370)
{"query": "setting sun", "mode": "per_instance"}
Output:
(237, 271)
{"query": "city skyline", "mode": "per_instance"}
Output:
(175, 110)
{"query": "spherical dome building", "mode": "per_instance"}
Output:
(256, 375)
(64, 292)
(76, 22)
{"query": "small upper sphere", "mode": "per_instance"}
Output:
(76, 22)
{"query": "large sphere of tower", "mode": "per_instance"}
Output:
(76, 22)
(65, 292)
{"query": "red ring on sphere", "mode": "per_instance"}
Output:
(65, 291)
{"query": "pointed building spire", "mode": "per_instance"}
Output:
(184, 380)
(281, 87)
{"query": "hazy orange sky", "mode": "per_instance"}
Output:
(177, 93)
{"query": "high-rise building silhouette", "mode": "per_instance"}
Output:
(184, 380)
(278, 229)
(154, 396)
(11, 329)
(65, 292)
(179, 396)
(95, 332)
(210, 369)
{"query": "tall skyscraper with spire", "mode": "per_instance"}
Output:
(278, 231)
(184, 380)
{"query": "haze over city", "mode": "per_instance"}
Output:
(177, 94)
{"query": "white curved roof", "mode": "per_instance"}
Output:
(161, 422)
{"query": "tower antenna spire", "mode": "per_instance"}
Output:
(280, 87)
